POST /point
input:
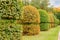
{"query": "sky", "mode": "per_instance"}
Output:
(55, 3)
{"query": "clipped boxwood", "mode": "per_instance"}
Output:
(10, 31)
(44, 18)
(9, 9)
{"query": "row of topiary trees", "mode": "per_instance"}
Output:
(48, 20)
(30, 20)
(34, 20)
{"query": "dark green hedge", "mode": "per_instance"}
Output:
(9, 29)
(44, 19)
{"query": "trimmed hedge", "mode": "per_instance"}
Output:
(44, 18)
(10, 31)
(30, 15)
(9, 9)
(30, 19)
(9, 13)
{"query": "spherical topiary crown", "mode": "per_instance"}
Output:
(30, 15)
(43, 16)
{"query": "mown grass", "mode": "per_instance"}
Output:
(52, 34)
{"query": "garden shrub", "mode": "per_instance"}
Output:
(30, 15)
(9, 9)
(44, 18)
(10, 31)
(30, 20)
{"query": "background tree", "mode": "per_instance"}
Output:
(35, 3)
(44, 4)
(26, 2)
(57, 13)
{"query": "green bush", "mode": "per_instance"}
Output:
(44, 18)
(9, 9)
(10, 31)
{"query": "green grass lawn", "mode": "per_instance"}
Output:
(52, 34)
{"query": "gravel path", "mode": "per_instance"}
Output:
(59, 36)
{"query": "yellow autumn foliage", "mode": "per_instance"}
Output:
(30, 15)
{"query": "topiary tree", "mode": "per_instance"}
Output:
(30, 19)
(44, 18)
(30, 15)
